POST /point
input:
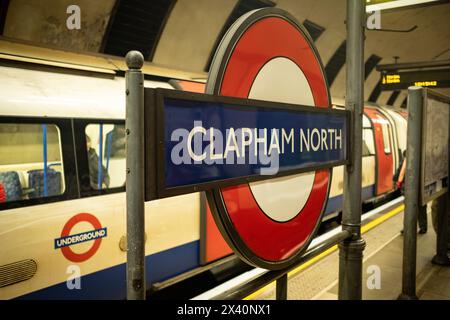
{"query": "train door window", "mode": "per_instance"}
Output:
(106, 155)
(386, 137)
(368, 142)
(31, 163)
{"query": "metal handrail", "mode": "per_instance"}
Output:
(241, 291)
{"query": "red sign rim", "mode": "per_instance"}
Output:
(67, 251)
(259, 30)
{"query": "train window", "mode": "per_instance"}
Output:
(368, 142)
(386, 138)
(366, 122)
(106, 155)
(31, 163)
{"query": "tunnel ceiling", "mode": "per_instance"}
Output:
(183, 34)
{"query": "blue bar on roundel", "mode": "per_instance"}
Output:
(211, 141)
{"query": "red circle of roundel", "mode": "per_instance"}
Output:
(270, 241)
(67, 251)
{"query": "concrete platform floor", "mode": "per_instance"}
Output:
(384, 246)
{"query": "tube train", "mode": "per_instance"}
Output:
(62, 199)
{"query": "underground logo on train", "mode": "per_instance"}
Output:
(67, 239)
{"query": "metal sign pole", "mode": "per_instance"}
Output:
(412, 184)
(351, 250)
(135, 176)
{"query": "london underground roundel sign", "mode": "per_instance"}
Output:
(268, 55)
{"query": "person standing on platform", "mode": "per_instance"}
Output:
(436, 207)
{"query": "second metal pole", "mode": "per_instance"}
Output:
(135, 177)
(412, 181)
(281, 287)
(351, 249)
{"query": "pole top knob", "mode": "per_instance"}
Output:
(134, 59)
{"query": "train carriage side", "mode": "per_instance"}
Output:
(334, 205)
(399, 119)
(384, 140)
(47, 148)
(386, 150)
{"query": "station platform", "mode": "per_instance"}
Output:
(318, 279)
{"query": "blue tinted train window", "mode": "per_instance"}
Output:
(31, 163)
